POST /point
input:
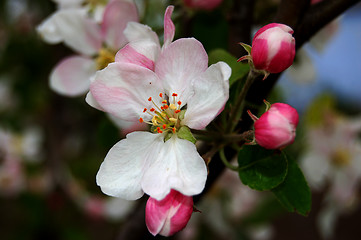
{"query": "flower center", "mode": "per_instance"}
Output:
(94, 3)
(105, 56)
(341, 158)
(165, 118)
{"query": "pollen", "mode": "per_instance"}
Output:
(155, 120)
(158, 130)
(172, 106)
(173, 120)
(165, 117)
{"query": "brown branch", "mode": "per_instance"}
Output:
(318, 16)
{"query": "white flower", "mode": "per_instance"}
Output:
(96, 44)
(171, 89)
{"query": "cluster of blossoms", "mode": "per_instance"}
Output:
(172, 89)
(332, 163)
(130, 76)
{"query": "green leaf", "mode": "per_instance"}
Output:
(239, 70)
(185, 133)
(294, 193)
(261, 169)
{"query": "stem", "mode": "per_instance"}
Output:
(236, 111)
(225, 161)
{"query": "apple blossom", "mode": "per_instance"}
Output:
(273, 48)
(172, 89)
(276, 128)
(332, 163)
(95, 44)
(202, 4)
(170, 215)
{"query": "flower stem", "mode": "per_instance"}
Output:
(236, 110)
(225, 161)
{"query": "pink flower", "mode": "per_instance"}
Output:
(96, 44)
(276, 128)
(170, 215)
(273, 48)
(202, 4)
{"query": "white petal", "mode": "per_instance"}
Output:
(78, 32)
(211, 92)
(48, 31)
(136, 31)
(92, 102)
(178, 166)
(316, 168)
(121, 172)
(71, 77)
(123, 89)
(179, 64)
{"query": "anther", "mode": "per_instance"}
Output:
(172, 106)
(173, 130)
(158, 130)
(166, 106)
(141, 120)
(177, 111)
(152, 109)
(174, 95)
(164, 101)
(150, 99)
(144, 110)
(164, 126)
(161, 95)
(173, 120)
(179, 103)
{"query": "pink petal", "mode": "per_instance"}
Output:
(123, 89)
(169, 215)
(71, 77)
(130, 54)
(169, 28)
(179, 64)
(116, 16)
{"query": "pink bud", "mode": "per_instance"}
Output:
(202, 4)
(170, 215)
(276, 128)
(273, 48)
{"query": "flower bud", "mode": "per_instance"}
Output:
(202, 4)
(273, 48)
(170, 215)
(276, 128)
